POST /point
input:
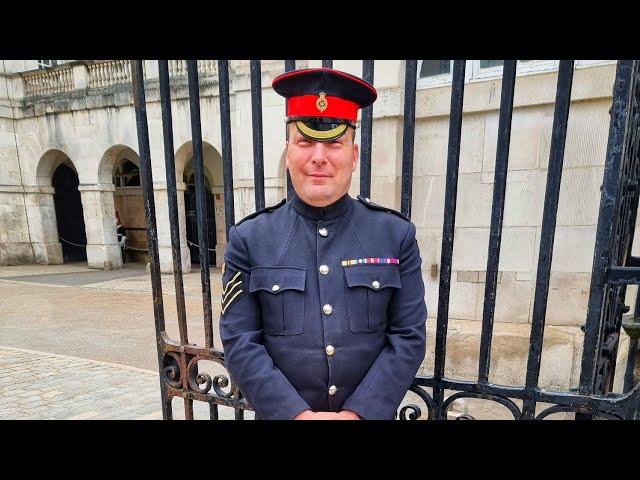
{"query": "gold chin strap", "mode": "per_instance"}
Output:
(321, 134)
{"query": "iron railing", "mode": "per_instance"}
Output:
(613, 269)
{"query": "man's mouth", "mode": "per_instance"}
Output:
(319, 175)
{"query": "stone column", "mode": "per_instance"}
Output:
(99, 211)
(221, 235)
(164, 229)
(43, 226)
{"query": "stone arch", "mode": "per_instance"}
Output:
(68, 204)
(128, 202)
(212, 163)
(111, 157)
(48, 163)
(45, 233)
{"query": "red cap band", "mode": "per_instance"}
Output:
(336, 107)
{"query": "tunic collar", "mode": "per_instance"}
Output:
(330, 212)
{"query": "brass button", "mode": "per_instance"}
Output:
(324, 269)
(330, 350)
(327, 309)
(275, 288)
(375, 284)
(323, 231)
(332, 390)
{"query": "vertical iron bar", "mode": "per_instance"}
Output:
(547, 233)
(201, 204)
(213, 411)
(256, 118)
(150, 213)
(367, 126)
(172, 195)
(327, 63)
(628, 213)
(289, 65)
(225, 126)
(167, 130)
(606, 217)
(497, 214)
(239, 413)
(448, 231)
(408, 135)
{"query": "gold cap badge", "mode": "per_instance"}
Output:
(322, 103)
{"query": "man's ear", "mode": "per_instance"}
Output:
(356, 155)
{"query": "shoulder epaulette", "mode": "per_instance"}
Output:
(375, 206)
(264, 210)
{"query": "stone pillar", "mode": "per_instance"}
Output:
(221, 235)
(99, 211)
(164, 229)
(79, 77)
(43, 226)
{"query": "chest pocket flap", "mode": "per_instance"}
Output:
(277, 279)
(281, 294)
(369, 291)
(367, 276)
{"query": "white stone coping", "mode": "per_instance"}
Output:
(26, 189)
(97, 187)
(160, 186)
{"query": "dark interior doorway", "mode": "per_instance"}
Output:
(69, 215)
(192, 220)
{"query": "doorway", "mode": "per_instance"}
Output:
(69, 214)
(192, 220)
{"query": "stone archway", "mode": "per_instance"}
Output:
(46, 210)
(69, 213)
(120, 167)
(212, 162)
(190, 207)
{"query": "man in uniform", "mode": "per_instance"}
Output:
(323, 312)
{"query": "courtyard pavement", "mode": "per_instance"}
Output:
(77, 343)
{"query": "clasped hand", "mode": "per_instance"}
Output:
(342, 415)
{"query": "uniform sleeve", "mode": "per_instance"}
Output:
(260, 381)
(384, 386)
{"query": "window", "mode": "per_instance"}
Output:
(429, 68)
(484, 69)
(434, 72)
(491, 63)
(47, 63)
(127, 174)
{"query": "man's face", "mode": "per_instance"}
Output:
(321, 171)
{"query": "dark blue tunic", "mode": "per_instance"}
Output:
(323, 309)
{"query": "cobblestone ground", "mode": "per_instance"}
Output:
(77, 343)
(44, 386)
(36, 385)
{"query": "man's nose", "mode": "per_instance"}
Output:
(319, 154)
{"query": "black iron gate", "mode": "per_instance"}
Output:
(613, 266)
